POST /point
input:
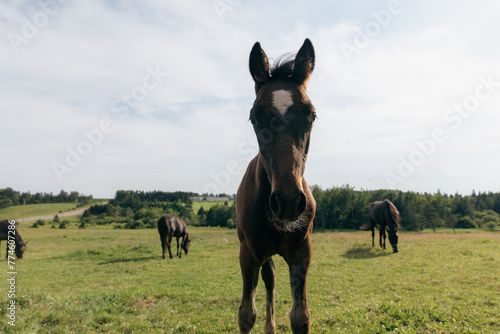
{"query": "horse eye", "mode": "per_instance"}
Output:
(253, 120)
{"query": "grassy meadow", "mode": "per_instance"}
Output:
(208, 204)
(114, 281)
(33, 210)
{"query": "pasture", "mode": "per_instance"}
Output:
(208, 204)
(32, 210)
(106, 281)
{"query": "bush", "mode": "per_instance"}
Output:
(231, 223)
(491, 226)
(465, 222)
(135, 225)
(490, 218)
(35, 225)
(63, 224)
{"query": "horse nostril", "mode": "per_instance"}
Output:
(301, 203)
(274, 204)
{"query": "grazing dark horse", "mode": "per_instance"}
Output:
(6, 232)
(274, 205)
(170, 226)
(384, 214)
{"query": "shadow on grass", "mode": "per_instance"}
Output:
(137, 259)
(365, 252)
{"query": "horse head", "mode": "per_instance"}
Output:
(186, 243)
(282, 117)
(393, 239)
(20, 248)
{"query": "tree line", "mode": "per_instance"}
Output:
(139, 209)
(336, 208)
(10, 197)
(347, 208)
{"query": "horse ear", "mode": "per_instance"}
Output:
(259, 66)
(304, 63)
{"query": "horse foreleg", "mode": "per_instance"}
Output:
(298, 263)
(179, 253)
(250, 272)
(382, 235)
(373, 236)
(372, 227)
(269, 276)
(169, 242)
(162, 239)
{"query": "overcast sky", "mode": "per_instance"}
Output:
(98, 96)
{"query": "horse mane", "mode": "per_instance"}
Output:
(283, 67)
(394, 214)
(19, 240)
(185, 240)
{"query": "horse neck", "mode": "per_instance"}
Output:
(19, 240)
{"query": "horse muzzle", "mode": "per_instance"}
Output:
(287, 208)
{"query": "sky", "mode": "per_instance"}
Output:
(100, 96)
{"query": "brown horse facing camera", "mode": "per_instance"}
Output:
(170, 226)
(5, 232)
(386, 216)
(274, 205)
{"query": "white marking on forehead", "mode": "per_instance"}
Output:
(282, 100)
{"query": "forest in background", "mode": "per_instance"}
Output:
(337, 208)
(10, 197)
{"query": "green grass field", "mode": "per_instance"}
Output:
(33, 210)
(114, 281)
(208, 204)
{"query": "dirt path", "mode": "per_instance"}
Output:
(60, 215)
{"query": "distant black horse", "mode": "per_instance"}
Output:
(170, 226)
(5, 232)
(384, 214)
